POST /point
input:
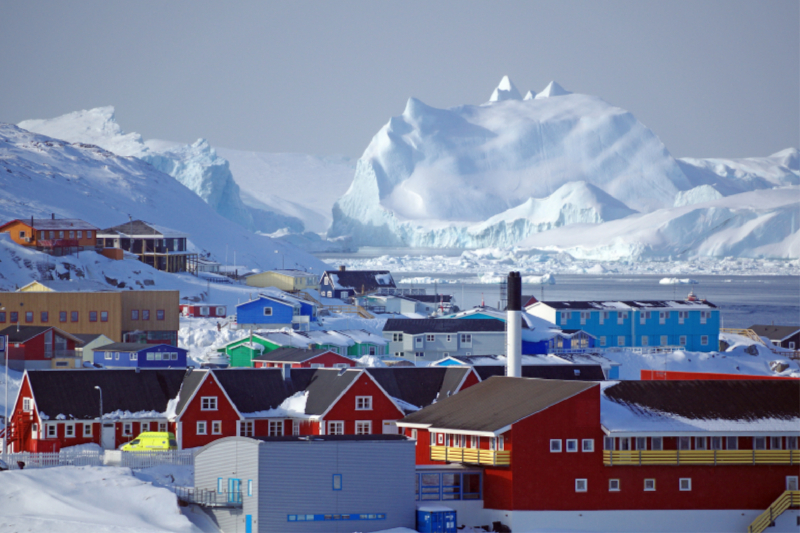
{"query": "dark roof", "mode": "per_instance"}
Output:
(563, 372)
(55, 223)
(419, 386)
(127, 347)
(333, 438)
(87, 337)
(291, 355)
(700, 399)
(361, 279)
(603, 304)
(496, 403)
(429, 298)
(325, 386)
(73, 394)
(140, 228)
(414, 326)
(190, 383)
(774, 332)
(27, 333)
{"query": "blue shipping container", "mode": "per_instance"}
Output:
(436, 519)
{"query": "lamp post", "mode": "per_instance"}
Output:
(4, 342)
(101, 406)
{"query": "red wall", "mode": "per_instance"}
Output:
(327, 360)
(192, 414)
(674, 375)
(33, 349)
(471, 379)
(345, 408)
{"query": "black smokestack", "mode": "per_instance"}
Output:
(514, 291)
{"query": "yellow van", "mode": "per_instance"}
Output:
(152, 441)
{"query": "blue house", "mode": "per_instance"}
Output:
(691, 325)
(276, 312)
(140, 355)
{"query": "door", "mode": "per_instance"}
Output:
(107, 438)
(248, 524)
(389, 427)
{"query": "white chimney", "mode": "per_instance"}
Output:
(286, 371)
(514, 326)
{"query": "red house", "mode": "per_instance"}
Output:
(51, 235)
(41, 347)
(204, 310)
(54, 410)
(302, 358)
(685, 455)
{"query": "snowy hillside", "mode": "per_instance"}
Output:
(40, 175)
(197, 166)
(430, 168)
(731, 176)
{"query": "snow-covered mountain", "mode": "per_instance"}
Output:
(433, 168)
(40, 175)
(197, 166)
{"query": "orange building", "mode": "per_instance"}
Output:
(57, 236)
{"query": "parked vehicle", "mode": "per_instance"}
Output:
(152, 441)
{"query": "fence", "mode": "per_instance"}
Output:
(133, 460)
(208, 498)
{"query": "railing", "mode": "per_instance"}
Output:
(471, 456)
(148, 459)
(642, 349)
(208, 498)
(701, 457)
(790, 498)
(20, 460)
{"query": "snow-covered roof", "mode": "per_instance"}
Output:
(362, 336)
(628, 305)
(56, 224)
(141, 229)
(86, 285)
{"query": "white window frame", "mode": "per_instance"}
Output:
(162, 426)
(664, 340)
(732, 440)
(363, 427)
(295, 428)
(704, 316)
(609, 443)
(656, 443)
(268, 311)
(685, 484)
(473, 442)
(682, 340)
(418, 340)
(275, 428)
(430, 338)
(572, 443)
(621, 317)
(27, 404)
(52, 431)
(216, 427)
(603, 340)
(87, 430)
(69, 430)
(700, 443)
(776, 443)
(363, 403)
(703, 340)
(645, 340)
(650, 484)
(466, 339)
(335, 427)
(759, 443)
(208, 403)
(613, 485)
(246, 428)
(127, 429)
(792, 483)
(555, 446)
(587, 445)
(201, 428)
(641, 443)
(581, 485)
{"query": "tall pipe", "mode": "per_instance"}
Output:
(514, 326)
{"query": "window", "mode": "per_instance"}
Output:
(555, 445)
(15, 317)
(682, 340)
(103, 316)
(649, 485)
(44, 316)
(473, 442)
(700, 443)
(430, 338)
(704, 340)
(685, 483)
(145, 314)
(433, 439)
(418, 340)
(159, 314)
(134, 356)
(216, 427)
(276, 428)
(662, 317)
(151, 356)
(664, 340)
(684, 443)
(572, 445)
(88, 234)
(52, 431)
(791, 443)
(625, 444)
(295, 427)
(60, 234)
(621, 340)
(791, 483)
(246, 428)
(363, 427)
(2, 316)
(21, 234)
(267, 311)
(335, 428)
(447, 338)
(419, 354)
(80, 234)
(219, 485)
(641, 443)
(397, 337)
(201, 427)
(208, 403)
(775, 443)
(608, 443)
(87, 430)
(249, 487)
(107, 355)
(73, 316)
(134, 314)
(580, 485)
(127, 429)
(363, 403)
(27, 404)
(162, 426)
(621, 316)
(656, 443)
(72, 234)
(466, 338)
(645, 340)
(704, 315)
(28, 316)
(732, 443)
(602, 340)
(92, 316)
(613, 485)
(716, 443)
(759, 443)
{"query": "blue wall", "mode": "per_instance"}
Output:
(253, 312)
(123, 359)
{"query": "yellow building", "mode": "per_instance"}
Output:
(288, 280)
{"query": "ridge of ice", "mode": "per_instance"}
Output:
(506, 90)
(553, 89)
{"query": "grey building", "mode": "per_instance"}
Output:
(315, 484)
(434, 339)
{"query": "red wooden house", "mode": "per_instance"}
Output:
(556, 454)
(59, 236)
(204, 310)
(41, 347)
(302, 358)
(54, 410)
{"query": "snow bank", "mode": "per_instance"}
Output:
(676, 281)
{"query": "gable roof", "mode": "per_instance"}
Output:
(326, 386)
(360, 280)
(26, 333)
(420, 386)
(131, 347)
(429, 298)
(292, 355)
(414, 326)
(563, 372)
(73, 394)
(491, 407)
(86, 285)
(774, 332)
(54, 223)
(627, 305)
(140, 228)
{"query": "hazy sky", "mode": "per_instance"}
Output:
(710, 78)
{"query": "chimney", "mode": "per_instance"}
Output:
(286, 371)
(514, 326)
(342, 268)
(52, 216)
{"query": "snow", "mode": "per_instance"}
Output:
(292, 407)
(87, 500)
(553, 89)
(698, 195)
(677, 281)
(405, 406)
(506, 90)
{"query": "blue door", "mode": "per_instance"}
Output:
(234, 491)
(248, 524)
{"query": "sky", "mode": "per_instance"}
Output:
(710, 78)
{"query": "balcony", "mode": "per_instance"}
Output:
(701, 457)
(471, 456)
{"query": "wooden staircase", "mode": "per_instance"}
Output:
(789, 498)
